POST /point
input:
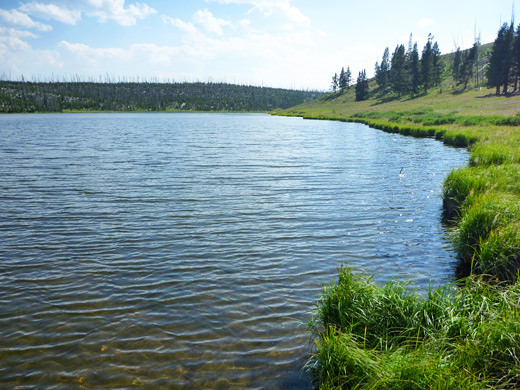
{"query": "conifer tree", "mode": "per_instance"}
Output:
(342, 80)
(399, 71)
(384, 69)
(501, 59)
(467, 61)
(415, 72)
(455, 66)
(516, 57)
(437, 64)
(334, 84)
(348, 77)
(362, 86)
(427, 65)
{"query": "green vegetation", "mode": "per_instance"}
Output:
(457, 337)
(21, 96)
(462, 336)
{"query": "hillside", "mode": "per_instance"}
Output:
(20, 96)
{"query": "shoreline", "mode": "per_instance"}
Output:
(468, 197)
(379, 337)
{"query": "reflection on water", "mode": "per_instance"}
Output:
(185, 250)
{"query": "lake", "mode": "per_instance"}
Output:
(186, 250)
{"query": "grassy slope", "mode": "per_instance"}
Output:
(388, 338)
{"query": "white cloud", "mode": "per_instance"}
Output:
(21, 19)
(94, 54)
(159, 55)
(13, 32)
(115, 10)
(18, 57)
(244, 23)
(52, 11)
(268, 7)
(206, 19)
(183, 26)
(423, 23)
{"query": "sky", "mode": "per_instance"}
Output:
(273, 43)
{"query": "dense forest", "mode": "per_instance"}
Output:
(23, 96)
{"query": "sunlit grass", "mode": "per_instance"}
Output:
(457, 337)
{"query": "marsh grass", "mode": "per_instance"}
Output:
(457, 337)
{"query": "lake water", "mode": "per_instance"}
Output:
(185, 250)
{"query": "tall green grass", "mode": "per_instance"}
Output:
(457, 337)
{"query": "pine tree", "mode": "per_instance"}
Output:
(427, 65)
(415, 72)
(437, 64)
(501, 59)
(362, 86)
(342, 80)
(466, 65)
(399, 71)
(455, 66)
(516, 57)
(384, 70)
(377, 72)
(348, 77)
(334, 84)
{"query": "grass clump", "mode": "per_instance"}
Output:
(457, 337)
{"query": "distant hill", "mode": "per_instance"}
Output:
(22, 96)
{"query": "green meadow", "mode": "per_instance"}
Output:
(463, 336)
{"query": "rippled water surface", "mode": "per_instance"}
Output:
(184, 250)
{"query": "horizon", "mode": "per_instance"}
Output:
(289, 44)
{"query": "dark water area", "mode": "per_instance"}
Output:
(185, 250)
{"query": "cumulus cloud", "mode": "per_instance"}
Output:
(52, 11)
(18, 56)
(115, 10)
(206, 19)
(18, 18)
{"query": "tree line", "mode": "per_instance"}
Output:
(23, 96)
(407, 71)
(503, 70)
(343, 82)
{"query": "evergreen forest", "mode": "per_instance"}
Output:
(23, 96)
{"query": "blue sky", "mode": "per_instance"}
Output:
(283, 43)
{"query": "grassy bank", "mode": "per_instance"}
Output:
(458, 337)
(370, 337)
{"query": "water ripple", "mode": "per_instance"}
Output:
(186, 251)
